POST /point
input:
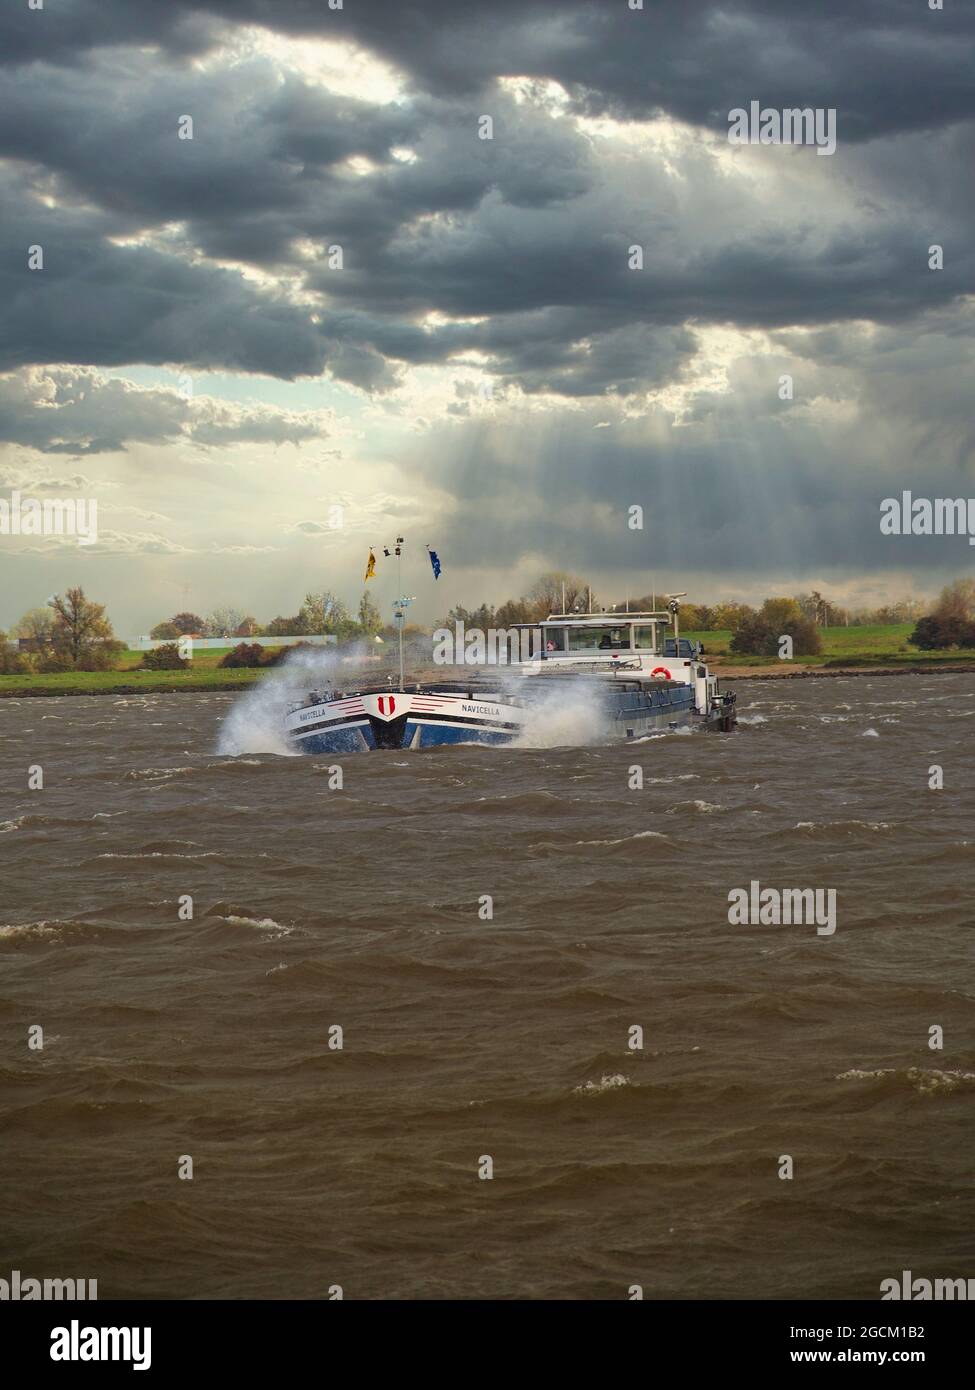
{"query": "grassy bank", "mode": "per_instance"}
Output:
(128, 678)
(843, 647)
(847, 647)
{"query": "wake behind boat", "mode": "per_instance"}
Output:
(635, 683)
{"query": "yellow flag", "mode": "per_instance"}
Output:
(371, 567)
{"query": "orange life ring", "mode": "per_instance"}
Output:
(661, 671)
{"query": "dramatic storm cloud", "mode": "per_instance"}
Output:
(489, 274)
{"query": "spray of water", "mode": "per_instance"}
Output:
(561, 714)
(255, 724)
(558, 714)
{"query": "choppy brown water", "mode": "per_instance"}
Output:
(507, 1037)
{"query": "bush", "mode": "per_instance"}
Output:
(104, 656)
(245, 654)
(164, 658)
(165, 632)
(936, 633)
(54, 662)
(759, 638)
(13, 662)
(758, 634)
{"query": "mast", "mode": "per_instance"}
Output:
(399, 586)
(674, 606)
(401, 602)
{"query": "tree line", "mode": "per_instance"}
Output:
(73, 632)
(70, 634)
(320, 615)
(755, 630)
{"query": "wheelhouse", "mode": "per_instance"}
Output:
(569, 635)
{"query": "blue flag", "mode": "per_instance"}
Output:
(435, 562)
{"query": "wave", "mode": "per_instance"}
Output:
(33, 822)
(830, 827)
(926, 1081)
(159, 854)
(626, 839)
(235, 915)
(157, 774)
(32, 930)
(604, 1084)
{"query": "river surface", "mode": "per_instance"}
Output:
(472, 1041)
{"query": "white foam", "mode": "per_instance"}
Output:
(639, 835)
(255, 723)
(563, 718)
(605, 1083)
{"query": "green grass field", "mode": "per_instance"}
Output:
(204, 674)
(842, 646)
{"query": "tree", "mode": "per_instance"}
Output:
(370, 619)
(482, 618)
(952, 622)
(287, 627)
(35, 627)
(730, 615)
(188, 624)
(956, 602)
(516, 610)
(759, 633)
(545, 595)
(12, 662)
(690, 617)
(697, 617)
(164, 632)
(79, 625)
(250, 627)
(224, 622)
(323, 613)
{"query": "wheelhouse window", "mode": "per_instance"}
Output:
(553, 641)
(599, 639)
(644, 637)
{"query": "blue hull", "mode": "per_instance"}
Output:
(431, 736)
(632, 719)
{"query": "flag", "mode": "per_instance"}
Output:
(435, 562)
(371, 566)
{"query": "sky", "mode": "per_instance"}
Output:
(337, 313)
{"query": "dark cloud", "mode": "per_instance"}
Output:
(524, 238)
(886, 65)
(98, 303)
(742, 482)
(508, 260)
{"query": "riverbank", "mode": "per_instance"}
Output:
(793, 672)
(128, 682)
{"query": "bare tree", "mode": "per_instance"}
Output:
(79, 624)
(545, 595)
